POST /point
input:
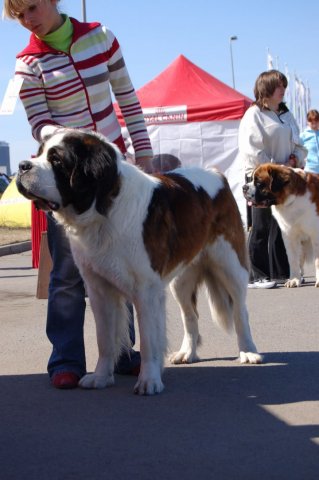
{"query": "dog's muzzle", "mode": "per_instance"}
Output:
(245, 189)
(248, 192)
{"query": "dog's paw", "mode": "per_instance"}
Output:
(183, 357)
(148, 386)
(293, 282)
(250, 357)
(92, 380)
(317, 284)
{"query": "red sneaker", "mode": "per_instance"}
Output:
(65, 380)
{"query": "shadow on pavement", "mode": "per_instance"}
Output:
(113, 434)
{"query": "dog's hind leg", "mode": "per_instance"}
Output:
(302, 262)
(184, 289)
(316, 256)
(111, 320)
(247, 349)
(226, 281)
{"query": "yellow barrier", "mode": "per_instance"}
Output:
(15, 209)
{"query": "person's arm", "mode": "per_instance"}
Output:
(128, 102)
(251, 142)
(34, 101)
(299, 153)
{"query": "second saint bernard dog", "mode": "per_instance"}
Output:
(131, 233)
(293, 196)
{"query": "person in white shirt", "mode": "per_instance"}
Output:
(268, 132)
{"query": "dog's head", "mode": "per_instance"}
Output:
(272, 184)
(74, 168)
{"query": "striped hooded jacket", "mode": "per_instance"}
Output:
(73, 89)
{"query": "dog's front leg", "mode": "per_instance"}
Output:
(150, 307)
(316, 255)
(110, 313)
(293, 250)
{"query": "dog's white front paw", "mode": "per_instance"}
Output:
(149, 381)
(250, 357)
(92, 380)
(317, 284)
(293, 282)
(148, 386)
(183, 357)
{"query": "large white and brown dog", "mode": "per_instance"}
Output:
(293, 196)
(131, 233)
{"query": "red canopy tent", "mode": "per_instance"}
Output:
(183, 83)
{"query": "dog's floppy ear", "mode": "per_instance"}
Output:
(278, 179)
(108, 179)
(95, 171)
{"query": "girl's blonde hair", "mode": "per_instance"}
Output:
(11, 8)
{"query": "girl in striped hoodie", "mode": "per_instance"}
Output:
(69, 70)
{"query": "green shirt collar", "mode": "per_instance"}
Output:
(61, 38)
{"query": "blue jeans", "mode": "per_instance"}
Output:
(66, 311)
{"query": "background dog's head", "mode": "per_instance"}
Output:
(272, 184)
(72, 167)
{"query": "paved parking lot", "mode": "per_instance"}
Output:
(215, 419)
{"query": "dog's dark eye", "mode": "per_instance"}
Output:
(260, 185)
(55, 160)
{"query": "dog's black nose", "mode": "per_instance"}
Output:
(245, 188)
(25, 165)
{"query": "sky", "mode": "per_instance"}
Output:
(153, 33)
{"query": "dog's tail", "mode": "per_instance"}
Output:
(220, 302)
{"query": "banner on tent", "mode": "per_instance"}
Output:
(175, 114)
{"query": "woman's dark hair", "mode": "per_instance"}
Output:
(266, 84)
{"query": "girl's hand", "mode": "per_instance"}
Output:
(146, 164)
(292, 161)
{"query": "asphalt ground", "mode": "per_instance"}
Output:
(215, 420)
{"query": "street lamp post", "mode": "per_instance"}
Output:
(231, 57)
(83, 11)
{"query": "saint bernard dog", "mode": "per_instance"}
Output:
(293, 196)
(131, 233)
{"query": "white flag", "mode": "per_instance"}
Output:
(270, 61)
(308, 98)
(288, 93)
(300, 103)
(303, 106)
(11, 96)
